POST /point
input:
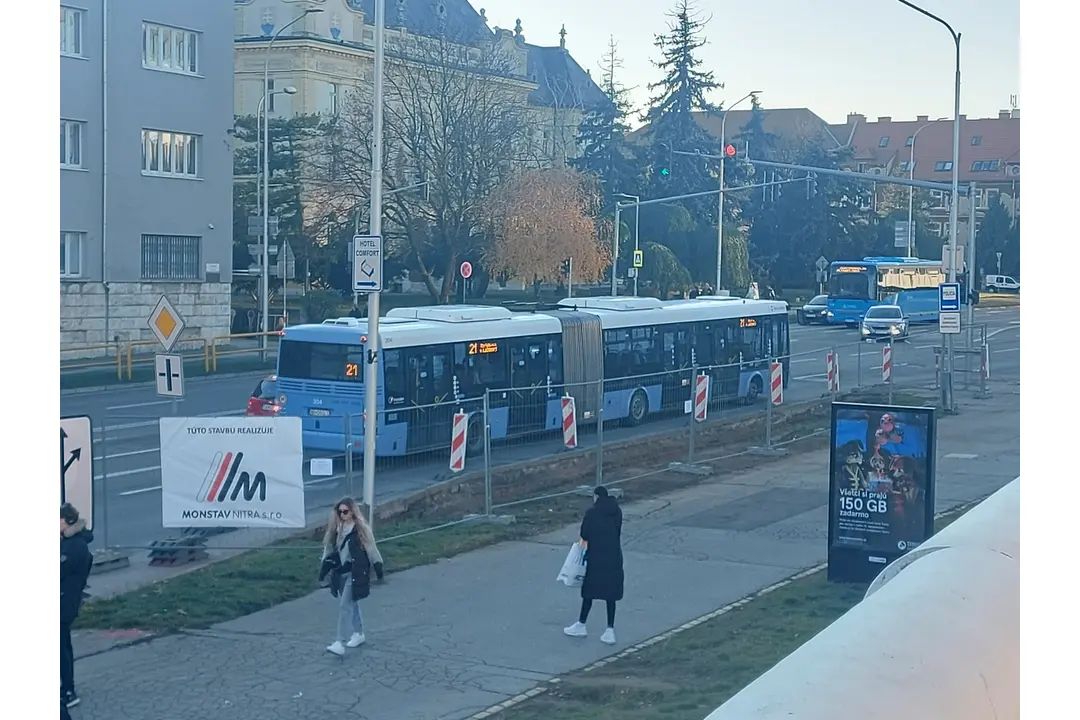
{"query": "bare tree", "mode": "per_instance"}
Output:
(541, 217)
(455, 124)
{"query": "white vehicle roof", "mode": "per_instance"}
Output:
(441, 324)
(615, 313)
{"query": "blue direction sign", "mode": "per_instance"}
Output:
(949, 297)
(367, 263)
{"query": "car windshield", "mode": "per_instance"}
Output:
(883, 313)
(819, 300)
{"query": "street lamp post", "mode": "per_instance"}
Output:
(911, 189)
(264, 193)
(946, 384)
(720, 201)
(637, 217)
(266, 181)
(374, 228)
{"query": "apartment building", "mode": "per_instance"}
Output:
(989, 156)
(326, 54)
(146, 114)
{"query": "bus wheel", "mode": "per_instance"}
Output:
(474, 439)
(639, 407)
(754, 390)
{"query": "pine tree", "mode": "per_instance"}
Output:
(761, 142)
(605, 152)
(683, 90)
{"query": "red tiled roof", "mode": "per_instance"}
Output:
(791, 126)
(998, 139)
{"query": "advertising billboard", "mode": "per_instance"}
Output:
(236, 472)
(881, 486)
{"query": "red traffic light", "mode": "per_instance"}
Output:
(729, 151)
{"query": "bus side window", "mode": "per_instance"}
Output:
(752, 348)
(703, 344)
(394, 386)
(442, 375)
(555, 359)
(671, 358)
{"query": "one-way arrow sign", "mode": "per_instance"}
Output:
(77, 465)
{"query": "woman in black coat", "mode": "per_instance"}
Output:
(601, 534)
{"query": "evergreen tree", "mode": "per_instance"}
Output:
(605, 152)
(683, 90)
(993, 237)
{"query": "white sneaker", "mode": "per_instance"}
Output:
(608, 636)
(336, 648)
(356, 640)
(576, 630)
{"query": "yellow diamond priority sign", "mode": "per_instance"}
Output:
(166, 323)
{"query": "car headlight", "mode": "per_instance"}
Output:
(865, 330)
(828, 313)
(894, 330)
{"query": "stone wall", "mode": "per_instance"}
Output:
(205, 308)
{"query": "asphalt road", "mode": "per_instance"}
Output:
(127, 460)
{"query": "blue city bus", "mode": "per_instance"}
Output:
(857, 285)
(435, 360)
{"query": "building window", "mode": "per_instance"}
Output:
(71, 136)
(985, 166)
(862, 167)
(170, 49)
(71, 244)
(980, 198)
(269, 96)
(976, 140)
(170, 154)
(943, 166)
(884, 141)
(937, 198)
(333, 100)
(171, 257)
(993, 196)
(935, 228)
(71, 27)
(910, 141)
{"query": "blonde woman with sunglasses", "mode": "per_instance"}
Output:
(348, 555)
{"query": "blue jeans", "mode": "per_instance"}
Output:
(350, 620)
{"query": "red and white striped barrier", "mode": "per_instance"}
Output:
(569, 422)
(776, 382)
(457, 441)
(886, 364)
(832, 371)
(701, 397)
(985, 369)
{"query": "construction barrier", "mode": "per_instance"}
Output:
(984, 371)
(832, 371)
(569, 423)
(458, 438)
(701, 398)
(777, 383)
(886, 364)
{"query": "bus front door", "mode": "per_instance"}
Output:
(430, 413)
(528, 383)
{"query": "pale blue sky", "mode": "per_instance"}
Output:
(876, 57)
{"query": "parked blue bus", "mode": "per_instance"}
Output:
(857, 285)
(433, 360)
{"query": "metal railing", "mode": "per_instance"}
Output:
(512, 452)
(134, 358)
(222, 346)
(95, 357)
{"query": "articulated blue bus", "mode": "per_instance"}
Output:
(857, 285)
(434, 359)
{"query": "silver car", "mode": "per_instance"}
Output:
(884, 321)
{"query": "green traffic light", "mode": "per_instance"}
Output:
(664, 172)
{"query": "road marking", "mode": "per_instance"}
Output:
(960, 456)
(1001, 330)
(152, 423)
(133, 471)
(810, 377)
(139, 491)
(805, 360)
(138, 405)
(307, 483)
(125, 454)
(1005, 350)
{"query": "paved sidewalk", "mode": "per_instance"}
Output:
(448, 640)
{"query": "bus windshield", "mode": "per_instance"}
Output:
(321, 361)
(850, 285)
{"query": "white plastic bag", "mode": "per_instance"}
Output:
(573, 569)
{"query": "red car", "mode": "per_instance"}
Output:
(264, 400)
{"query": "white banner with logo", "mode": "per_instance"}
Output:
(232, 472)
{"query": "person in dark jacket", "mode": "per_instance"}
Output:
(75, 564)
(601, 534)
(348, 550)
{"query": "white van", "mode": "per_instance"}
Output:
(1001, 284)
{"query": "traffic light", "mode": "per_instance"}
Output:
(665, 156)
(566, 266)
(811, 185)
(729, 153)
